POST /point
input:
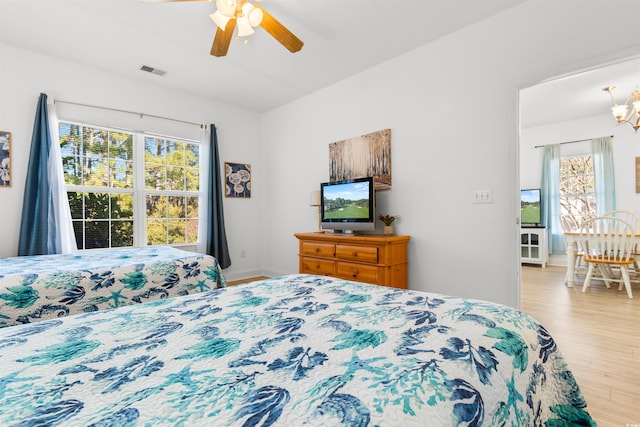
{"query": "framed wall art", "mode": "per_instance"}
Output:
(362, 156)
(5, 159)
(237, 180)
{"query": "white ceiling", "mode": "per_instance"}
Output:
(578, 95)
(342, 38)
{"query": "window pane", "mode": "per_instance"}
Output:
(96, 234)
(96, 205)
(192, 176)
(121, 233)
(192, 231)
(154, 150)
(121, 206)
(121, 146)
(176, 207)
(121, 174)
(175, 178)
(70, 149)
(156, 206)
(176, 231)
(156, 232)
(154, 177)
(175, 153)
(96, 141)
(590, 182)
(96, 171)
(75, 204)
(192, 155)
(192, 207)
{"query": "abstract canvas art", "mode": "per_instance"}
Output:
(362, 156)
(5, 159)
(237, 180)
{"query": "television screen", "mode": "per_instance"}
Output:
(530, 211)
(348, 205)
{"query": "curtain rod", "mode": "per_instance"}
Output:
(128, 112)
(569, 142)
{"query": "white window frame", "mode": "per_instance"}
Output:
(585, 196)
(139, 190)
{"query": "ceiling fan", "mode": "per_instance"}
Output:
(246, 16)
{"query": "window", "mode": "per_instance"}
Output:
(130, 189)
(577, 187)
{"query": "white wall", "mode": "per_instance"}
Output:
(452, 108)
(24, 75)
(626, 147)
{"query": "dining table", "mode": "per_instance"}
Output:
(571, 240)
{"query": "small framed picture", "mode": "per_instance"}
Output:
(5, 159)
(237, 180)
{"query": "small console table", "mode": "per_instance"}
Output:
(376, 259)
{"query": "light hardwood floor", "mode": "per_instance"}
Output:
(598, 332)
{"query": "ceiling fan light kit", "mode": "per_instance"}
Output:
(219, 18)
(247, 16)
(253, 14)
(631, 106)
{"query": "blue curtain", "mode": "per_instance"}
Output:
(37, 203)
(45, 226)
(550, 196)
(216, 236)
(604, 177)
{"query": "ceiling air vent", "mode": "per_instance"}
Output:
(153, 70)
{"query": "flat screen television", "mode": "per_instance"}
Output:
(348, 206)
(530, 207)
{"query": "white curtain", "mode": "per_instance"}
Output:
(63, 239)
(204, 189)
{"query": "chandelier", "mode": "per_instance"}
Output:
(629, 111)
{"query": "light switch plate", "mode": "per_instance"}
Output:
(482, 196)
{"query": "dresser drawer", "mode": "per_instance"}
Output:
(323, 267)
(326, 250)
(359, 272)
(357, 253)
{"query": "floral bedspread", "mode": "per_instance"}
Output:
(34, 288)
(289, 351)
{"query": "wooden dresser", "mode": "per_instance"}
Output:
(370, 258)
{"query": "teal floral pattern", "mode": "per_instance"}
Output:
(289, 351)
(35, 288)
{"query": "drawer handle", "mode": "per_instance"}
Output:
(317, 249)
(355, 273)
(318, 266)
(354, 253)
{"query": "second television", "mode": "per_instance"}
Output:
(530, 207)
(348, 206)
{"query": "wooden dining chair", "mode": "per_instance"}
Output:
(608, 243)
(633, 219)
(627, 216)
(569, 224)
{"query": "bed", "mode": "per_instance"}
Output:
(289, 351)
(34, 288)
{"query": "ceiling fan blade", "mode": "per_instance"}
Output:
(221, 42)
(279, 32)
